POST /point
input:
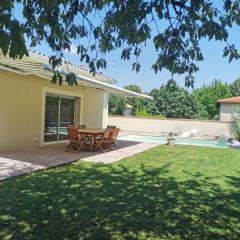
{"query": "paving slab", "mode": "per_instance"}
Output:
(119, 154)
(11, 168)
(20, 162)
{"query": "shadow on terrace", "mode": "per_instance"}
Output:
(85, 201)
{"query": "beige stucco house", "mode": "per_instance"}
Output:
(34, 112)
(227, 107)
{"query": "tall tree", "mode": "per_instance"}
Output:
(208, 95)
(174, 102)
(98, 27)
(116, 104)
(235, 88)
(136, 103)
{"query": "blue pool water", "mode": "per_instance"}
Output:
(182, 141)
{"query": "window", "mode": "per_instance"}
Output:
(59, 113)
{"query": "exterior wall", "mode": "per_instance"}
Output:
(19, 120)
(226, 110)
(95, 109)
(157, 126)
(22, 105)
(105, 102)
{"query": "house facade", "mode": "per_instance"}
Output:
(34, 112)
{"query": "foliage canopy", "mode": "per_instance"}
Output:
(98, 27)
(235, 88)
(116, 105)
(174, 101)
(208, 95)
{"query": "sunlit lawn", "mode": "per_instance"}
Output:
(166, 193)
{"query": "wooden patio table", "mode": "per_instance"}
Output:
(92, 133)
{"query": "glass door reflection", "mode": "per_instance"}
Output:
(59, 113)
(51, 119)
(67, 110)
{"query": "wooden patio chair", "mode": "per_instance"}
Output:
(85, 137)
(114, 136)
(104, 141)
(75, 140)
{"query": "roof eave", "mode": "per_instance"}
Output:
(80, 78)
(44, 70)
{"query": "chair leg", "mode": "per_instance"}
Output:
(68, 147)
(81, 146)
(101, 148)
(75, 148)
(107, 147)
(98, 145)
(114, 145)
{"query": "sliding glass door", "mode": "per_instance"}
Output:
(51, 119)
(67, 112)
(59, 113)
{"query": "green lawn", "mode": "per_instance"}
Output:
(166, 193)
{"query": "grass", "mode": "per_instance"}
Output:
(174, 192)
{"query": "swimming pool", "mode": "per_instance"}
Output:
(181, 141)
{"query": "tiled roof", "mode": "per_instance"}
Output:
(82, 68)
(234, 100)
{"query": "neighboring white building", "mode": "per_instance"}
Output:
(227, 107)
(128, 110)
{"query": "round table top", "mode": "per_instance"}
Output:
(92, 130)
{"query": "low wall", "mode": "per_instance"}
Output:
(158, 126)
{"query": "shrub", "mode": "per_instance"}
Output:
(116, 105)
(236, 119)
(174, 101)
(207, 96)
(143, 113)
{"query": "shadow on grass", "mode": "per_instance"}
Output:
(114, 202)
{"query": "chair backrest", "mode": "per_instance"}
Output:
(107, 134)
(82, 126)
(111, 126)
(115, 132)
(73, 134)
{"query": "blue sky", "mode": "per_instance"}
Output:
(213, 66)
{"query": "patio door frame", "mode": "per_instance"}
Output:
(60, 93)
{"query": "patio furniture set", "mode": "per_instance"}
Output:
(90, 139)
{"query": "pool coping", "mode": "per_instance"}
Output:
(125, 133)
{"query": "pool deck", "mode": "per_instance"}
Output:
(21, 162)
(25, 161)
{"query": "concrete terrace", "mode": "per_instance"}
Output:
(20, 162)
